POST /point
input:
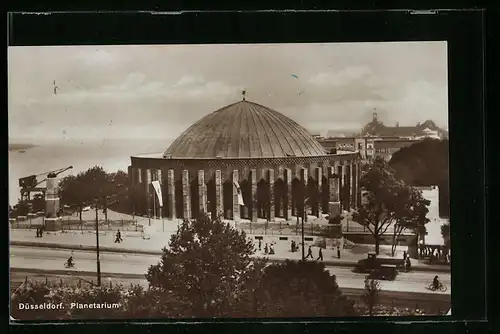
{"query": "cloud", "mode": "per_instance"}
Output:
(98, 57)
(189, 80)
(338, 86)
(341, 78)
(137, 87)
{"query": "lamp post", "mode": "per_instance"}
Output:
(302, 233)
(97, 242)
(302, 227)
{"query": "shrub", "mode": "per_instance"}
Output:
(300, 289)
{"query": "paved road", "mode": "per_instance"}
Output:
(134, 264)
(439, 303)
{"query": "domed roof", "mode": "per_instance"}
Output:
(244, 130)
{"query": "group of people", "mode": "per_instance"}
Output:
(268, 249)
(407, 261)
(436, 253)
(39, 232)
(310, 255)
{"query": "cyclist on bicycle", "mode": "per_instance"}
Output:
(70, 262)
(435, 282)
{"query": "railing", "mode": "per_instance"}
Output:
(109, 225)
(84, 225)
(283, 228)
(50, 281)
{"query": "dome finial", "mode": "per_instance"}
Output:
(243, 92)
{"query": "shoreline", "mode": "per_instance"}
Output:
(14, 147)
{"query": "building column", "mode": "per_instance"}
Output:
(341, 178)
(270, 180)
(319, 181)
(171, 194)
(139, 175)
(236, 205)
(334, 209)
(153, 193)
(218, 195)
(202, 193)
(141, 192)
(162, 203)
(287, 203)
(148, 192)
(358, 187)
(186, 195)
(354, 186)
(303, 180)
(253, 187)
(348, 186)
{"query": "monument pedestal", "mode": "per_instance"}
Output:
(52, 224)
(334, 209)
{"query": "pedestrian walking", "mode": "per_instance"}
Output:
(407, 264)
(37, 232)
(404, 255)
(41, 232)
(309, 253)
(338, 252)
(320, 255)
(118, 237)
(266, 249)
(292, 246)
(260, 245)
(271, 250)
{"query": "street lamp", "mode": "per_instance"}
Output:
(104, 202)
(302, 227)
(97, 242)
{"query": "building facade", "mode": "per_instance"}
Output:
(246, 161)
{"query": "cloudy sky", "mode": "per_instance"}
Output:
(158, 91)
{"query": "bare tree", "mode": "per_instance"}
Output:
(371, 294)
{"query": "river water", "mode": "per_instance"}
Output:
(112, 155)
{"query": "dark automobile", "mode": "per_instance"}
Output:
(373, 262)
(384, 272)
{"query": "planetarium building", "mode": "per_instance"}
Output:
(245, 161)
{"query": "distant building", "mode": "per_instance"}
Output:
(385, 148)
(427, 129)
(378, 140)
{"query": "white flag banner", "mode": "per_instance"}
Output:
(240, 195)
(157, 187)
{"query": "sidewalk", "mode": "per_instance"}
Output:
(134, 243)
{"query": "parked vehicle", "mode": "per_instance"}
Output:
(373, 262)
(384, 272)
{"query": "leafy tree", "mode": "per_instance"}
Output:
(204, 267)
(300, 289)
(81, 190)
(411, 215)
(74, 192)
(387, 202)
(445, 232)
(371, 294)
(425, 163)
(22, 208)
